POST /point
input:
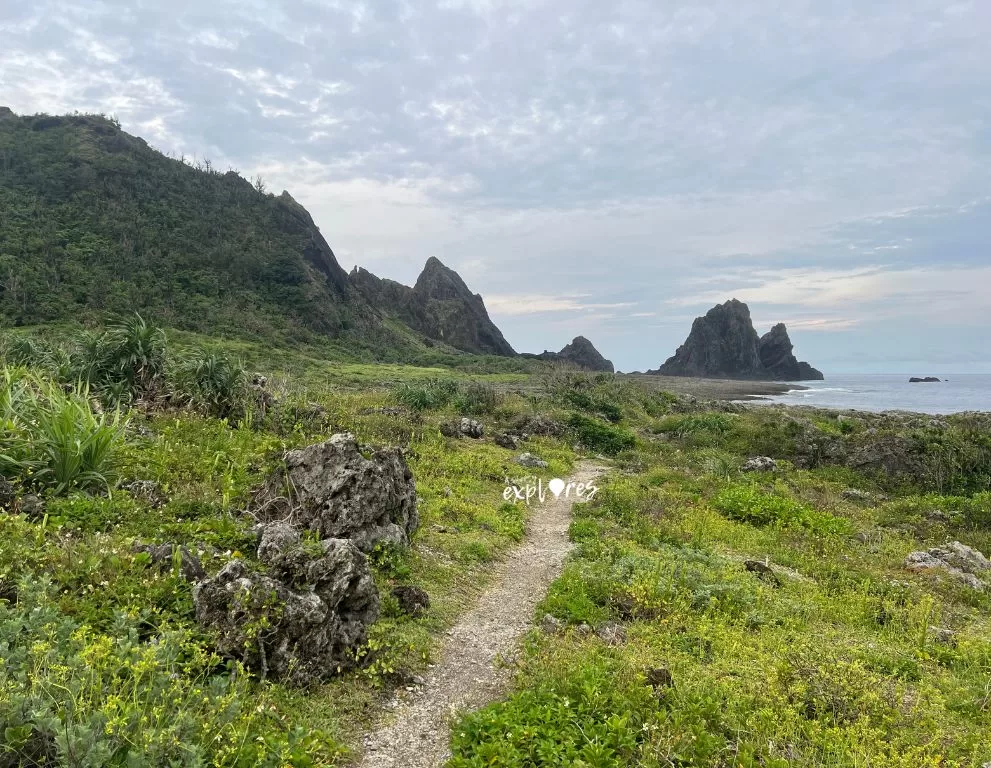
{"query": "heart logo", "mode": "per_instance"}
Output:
(556, 486)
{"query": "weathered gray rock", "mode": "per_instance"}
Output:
(302, 621)
(855, 494)
(8, 495)
(888, 454)
(164, 556)
(147, 491)
(336, 491)
(956, 559)
(508, 440)
(612, 633)
(463, 427)
(412, 600)
(529, 460)
(538, 424)
(759, 464)
(763, 571)
(31, 506)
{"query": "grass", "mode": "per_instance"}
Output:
(840, 664)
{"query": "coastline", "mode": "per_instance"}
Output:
(714, 389)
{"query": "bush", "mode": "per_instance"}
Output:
(747, 503)
(53, 439)
(608, 410)
(427, 395)
(597, 436)
(70, 696)
(211, 383)
(476, 398)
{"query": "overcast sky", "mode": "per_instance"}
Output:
(602, 168)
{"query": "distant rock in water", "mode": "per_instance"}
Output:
(440, 306)
(580, 353)
(723, 344)
(925, 380)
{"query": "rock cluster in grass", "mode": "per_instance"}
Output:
(303, 619)
(960, 561)
(337, 489)
(463, 427)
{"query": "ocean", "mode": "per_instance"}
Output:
(884, 392)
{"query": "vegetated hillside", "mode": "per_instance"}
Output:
(94, 222)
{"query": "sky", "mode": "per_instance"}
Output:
(610, 169)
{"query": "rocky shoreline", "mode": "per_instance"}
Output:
(714, 389)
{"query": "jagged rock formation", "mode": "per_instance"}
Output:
(302, 619)
(724, 344)
(334, 490)
(439, 305)
(581, 353)
(775, 350)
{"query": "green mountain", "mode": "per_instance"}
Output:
(94, 222)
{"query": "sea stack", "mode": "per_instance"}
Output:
(723, 344)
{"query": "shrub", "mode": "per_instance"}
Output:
(747, 503)
(608, 410)
(476, 398)
(55, 439)
(426, 395)
(697, 424)
(71, 696)
(597, 436)
(211, 383)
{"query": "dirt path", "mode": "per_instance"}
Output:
(466, 675)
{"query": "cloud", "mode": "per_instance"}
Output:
(619, 164)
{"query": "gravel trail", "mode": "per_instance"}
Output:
(467, 674)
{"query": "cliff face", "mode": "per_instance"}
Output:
(439, 305)
(580, 353)
(776, 354)
(724, 344)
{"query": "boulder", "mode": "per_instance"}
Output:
(8, 495)
(611, 633)
(147, 491)
(302, 621)
(31, 506)
(336, 491)
(508, 440)
(759, 464)
(956, 559)
(529, 460)
(164, 557)
(412, 600)
(539, 425)
(464, 427)
(886, 453)
(763, 571)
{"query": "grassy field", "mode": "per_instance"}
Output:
(839, 656)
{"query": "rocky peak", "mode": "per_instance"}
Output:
(580, 353)
(724, 344)
(439, 305)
